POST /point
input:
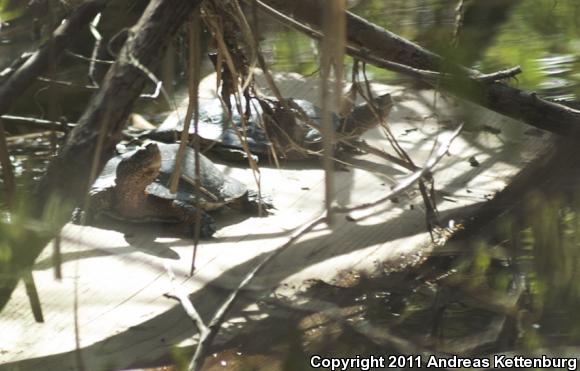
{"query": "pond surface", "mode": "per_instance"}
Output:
(494, 35)
(457, 296)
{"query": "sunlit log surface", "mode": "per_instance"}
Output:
(124, 319)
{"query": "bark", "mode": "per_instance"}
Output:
(496, 95)
(67, 178)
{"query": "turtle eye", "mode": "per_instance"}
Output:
(150, 172)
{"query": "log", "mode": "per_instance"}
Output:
(494, 95)
(67, 179)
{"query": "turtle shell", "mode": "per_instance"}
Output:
(215, 124)
(217, 189)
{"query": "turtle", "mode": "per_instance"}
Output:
(135, 187)
(287, 129)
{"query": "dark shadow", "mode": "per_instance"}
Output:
(146, 244)
(47, 263)
(148, 231)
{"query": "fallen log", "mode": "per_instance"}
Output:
(379, 44)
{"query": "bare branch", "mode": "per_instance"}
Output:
(178, 294)
(409, 181)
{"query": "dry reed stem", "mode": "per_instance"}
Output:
(211, 20)
(7, 173)
(332, 45)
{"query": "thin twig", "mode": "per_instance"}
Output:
(459, 17)
(32, 294)
(178, 294)
(77, 326)
(195, 72)
(57, 257)
(192, 113)
(68, 84)
(241, 133)
(364, 146)
(508, 73)
(88, 59)
(411, 179)
(19, 61)
(98, 39)
(40, 124)
(334, 26)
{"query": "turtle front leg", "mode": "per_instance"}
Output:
(100, 202)
(253, 203)
(177, 216)
(187, 213)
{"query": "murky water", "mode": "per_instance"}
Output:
(454, 300)
(495, 35)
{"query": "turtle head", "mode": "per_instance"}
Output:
(140, 169)
(367, 116)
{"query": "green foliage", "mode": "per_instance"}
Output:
(293, 52)
(539, 29)
(6, 240)
(296, 358)
(480, 266)
(11, 9)
(180, 357)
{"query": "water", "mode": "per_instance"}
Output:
(452, 300)
(495, 35)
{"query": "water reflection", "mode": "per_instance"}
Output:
(559, 72)
(494, 35)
